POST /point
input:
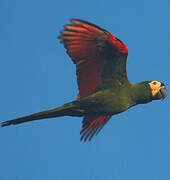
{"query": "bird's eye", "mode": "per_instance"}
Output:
(154, 83)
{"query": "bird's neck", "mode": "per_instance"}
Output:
(141, 93)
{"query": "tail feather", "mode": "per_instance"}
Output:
(66, 110)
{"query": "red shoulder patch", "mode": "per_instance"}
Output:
(121, 46)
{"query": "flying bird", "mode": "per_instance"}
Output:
(104, 88)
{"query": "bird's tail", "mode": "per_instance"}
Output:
(69, 109)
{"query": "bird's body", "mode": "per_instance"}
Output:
(104, 88)
(114, 100)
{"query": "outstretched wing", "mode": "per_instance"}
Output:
(92, 125)
(100, 60)
(99, 56)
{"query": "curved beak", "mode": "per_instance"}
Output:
(163, 92)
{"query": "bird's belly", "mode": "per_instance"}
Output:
(108, 105)
(112, 107)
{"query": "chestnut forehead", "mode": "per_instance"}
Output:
(162, 84)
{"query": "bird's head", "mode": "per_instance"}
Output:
(158, 90)
(148, 91)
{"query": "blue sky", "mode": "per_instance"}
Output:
(36, 74)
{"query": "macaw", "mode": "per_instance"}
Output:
(104, 88)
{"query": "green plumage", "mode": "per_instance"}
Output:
(104, 88)
(106, 102)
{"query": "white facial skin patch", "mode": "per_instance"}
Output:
(155, 87)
